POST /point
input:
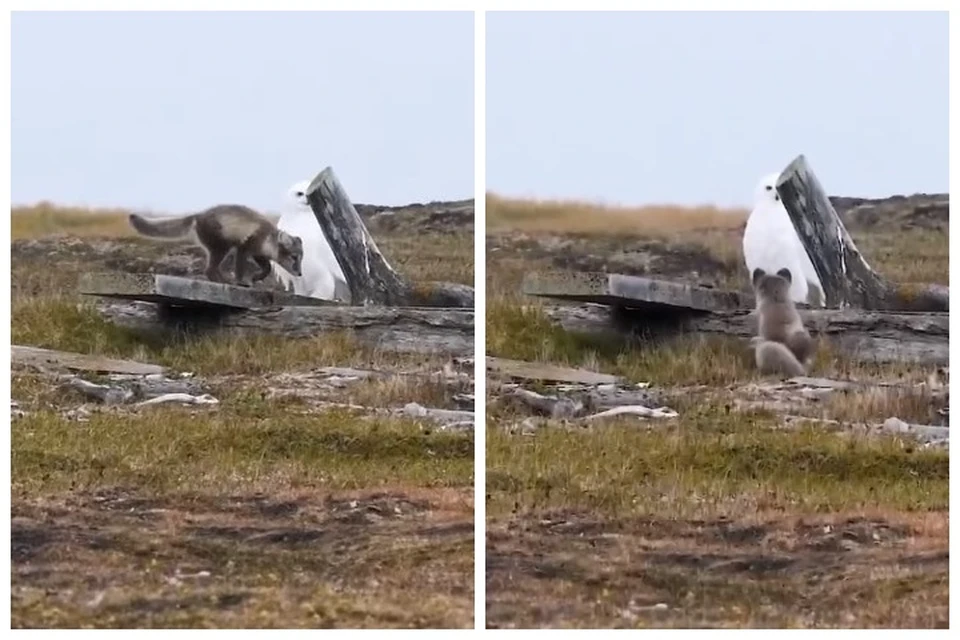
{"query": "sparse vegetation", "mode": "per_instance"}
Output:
(263, 511)
(505, 214)
(47, 219)
(721, 517)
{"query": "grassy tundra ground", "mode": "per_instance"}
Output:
(263, 511)
(717, 518)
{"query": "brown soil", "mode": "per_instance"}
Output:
(574, 570)
(115, 558)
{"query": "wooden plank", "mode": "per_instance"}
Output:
(51, 359)
(862, 336)
(546, 372)
(614, 289)
(187, 292)
(369, 276)
(400, 329)
(847, 279)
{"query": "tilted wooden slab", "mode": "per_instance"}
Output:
(614, 289)
(370, 278)
(546, 372)
(50, 359)
(847, 280)
(187, 292)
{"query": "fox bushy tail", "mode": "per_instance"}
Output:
(168, 228)
(774, 357)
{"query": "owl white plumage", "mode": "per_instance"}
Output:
(322, 276)
(770, 242)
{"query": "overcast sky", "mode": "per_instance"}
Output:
(690, 108)
(176, 111)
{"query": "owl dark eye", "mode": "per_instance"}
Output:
(299, 193)
(769, 188)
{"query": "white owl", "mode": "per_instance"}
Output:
(770, 242)
(322, 276)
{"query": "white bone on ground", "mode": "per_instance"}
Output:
(635, 410)
(184, 398)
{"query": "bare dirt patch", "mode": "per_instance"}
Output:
(573, 570)
(117, 558)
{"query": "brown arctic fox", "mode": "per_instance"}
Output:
(230, 226)
(784, 346)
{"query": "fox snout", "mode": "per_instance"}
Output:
(294, 266)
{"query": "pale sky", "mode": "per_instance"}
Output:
(176, 111)
(694, 108)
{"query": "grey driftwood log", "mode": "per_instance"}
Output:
(371, 279)
(401, 329)
(864, 336)
(847, 279)
(144, 390)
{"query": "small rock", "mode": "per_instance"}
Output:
(95, 601)
(79, 414)
(464, 425)
(849, 545)
(198, 574)
(528, 427)
(896, 425)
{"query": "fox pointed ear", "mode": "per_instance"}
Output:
(757, 274)
(785, 274)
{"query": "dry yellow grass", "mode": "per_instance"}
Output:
(570, 216)
(46, 219)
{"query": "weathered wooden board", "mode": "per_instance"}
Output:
(187, 292)
(546, 372)
(634, 292)
(51, 359)
(401, 329)
(369, 276)
(847, 279)
(863, 336)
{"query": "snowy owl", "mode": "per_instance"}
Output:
(770, 242)
(322, 276)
